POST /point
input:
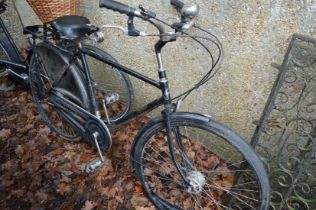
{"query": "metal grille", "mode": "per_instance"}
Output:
(285, 137)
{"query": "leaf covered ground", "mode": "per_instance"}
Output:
(42, 171)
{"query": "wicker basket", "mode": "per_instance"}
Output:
(49, 10)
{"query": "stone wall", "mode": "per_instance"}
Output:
(254, 34)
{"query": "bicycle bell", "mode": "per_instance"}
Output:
(188, 15)
(97, 37)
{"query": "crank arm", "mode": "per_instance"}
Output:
(95, 164)
(9, 71)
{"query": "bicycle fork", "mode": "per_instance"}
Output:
(193, 179)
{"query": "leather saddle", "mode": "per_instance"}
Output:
(73, 27)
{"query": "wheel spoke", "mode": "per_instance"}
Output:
(212, 182)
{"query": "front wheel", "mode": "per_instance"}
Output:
(221, 170)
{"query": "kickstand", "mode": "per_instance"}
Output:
(98, 163)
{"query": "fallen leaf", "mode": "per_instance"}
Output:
(19, 150)
(144, 208)
(138, 188)
(88, 205)
(41, 195)
(129, 186)
(140, 201)
(63, 188)
(44, 131)
(5, 133)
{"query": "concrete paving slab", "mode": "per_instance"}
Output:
(26, 13)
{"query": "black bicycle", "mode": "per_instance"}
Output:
(183, 160)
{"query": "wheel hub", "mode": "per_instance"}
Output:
(196, 182)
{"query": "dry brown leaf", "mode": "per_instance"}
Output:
(19, 150)
(140, 201)
(18, 193)
(138, 188)
(129, 186)
(41, 195)
(109, 191)
(63, 188)
(8, 165)
(5, 183)
(5, 133)
(145, 208)
(44, 131)
(84, 157)
(88, 205)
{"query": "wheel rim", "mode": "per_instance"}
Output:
(220, 191)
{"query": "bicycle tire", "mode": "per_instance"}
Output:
(214, 192)
(71, 85)
(104, 76)
(7, 52)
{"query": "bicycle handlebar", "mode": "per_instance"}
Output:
(188, 15)
(178, 4)
(3, 6)
(117, 6)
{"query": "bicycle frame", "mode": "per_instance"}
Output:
(165, 99)
(16, 67)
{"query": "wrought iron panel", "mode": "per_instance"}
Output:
(285, 136)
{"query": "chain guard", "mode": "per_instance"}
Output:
(83, 121)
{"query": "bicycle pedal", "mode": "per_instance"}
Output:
(111, 98)
(93, 166)
(4, 88)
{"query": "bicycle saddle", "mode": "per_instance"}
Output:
(73, 27)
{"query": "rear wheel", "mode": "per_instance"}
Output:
(42, 84)
(6, 53)
(221, 171)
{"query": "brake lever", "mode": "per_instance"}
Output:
(146, 13)
(132, 31)
(3, 6)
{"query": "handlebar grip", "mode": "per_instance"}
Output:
(117, 6)
(177, 3)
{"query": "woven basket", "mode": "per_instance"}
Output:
(49, 10)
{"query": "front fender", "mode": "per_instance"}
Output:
(157, 120)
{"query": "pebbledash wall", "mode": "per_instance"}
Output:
(254, 33)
